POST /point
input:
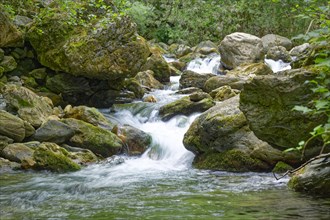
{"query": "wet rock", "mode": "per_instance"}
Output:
(88, 114)
(11, 126)
(98, 140)
(238, 48)
(179, 50)
(50, 156)
(278, 53)
(196, 102)
(53, 131)
(206, 48)
(19, 153)
(4, 141)
(8, 64)
(193, 79)
(147, 79)
(269, 111)
(150, 98)
(300, 54)
(234, 82)
(313, 179)
(189, 90)
(271, 40)
(250, 70)
(81, 156)
(223, 93)
(30, 107)
(159, 66)
(10, 36)
(8, 166)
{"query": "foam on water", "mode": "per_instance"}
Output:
(209, 64)
(278, 65)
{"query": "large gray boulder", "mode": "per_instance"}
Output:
(238, 48)
(19, 153)
(271, 40)
(267, 102)
(192, 79)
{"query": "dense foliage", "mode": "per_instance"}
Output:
(198, 20)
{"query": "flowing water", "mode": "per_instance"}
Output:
(161, 184)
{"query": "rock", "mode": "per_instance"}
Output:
(136, 141)
(98, 140)
(271, 40)
(281, 167)
(30, 107)
(29, 82)
(8, 166)
(178, 65)
(206, 48)
(300, 54)
(189, 90)
(222, 140)
(2, 54)
(150, 98)
(53, 131)
(22, 21)
(88, 114)
(250, 69)
(19, 153)
(106, 98)
(81, 156)
(196, 102)
(238, 48)
(267, 102)
(192, 79)
(314, 178)
(278, 53)
(147, 79)
(11, 126)
(159, 66)
(39, 75)
(179, 50)
(223, 93)
(4, 141)
(133, 85)
(113, 51)
(10, 36)
(8, 64)
(234, 82)
(50, 156)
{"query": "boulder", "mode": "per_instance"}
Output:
(96, 139)
(88, 114)
(206, 48)
(159, 66)
(135, 140)
(81, 156)
(300, 54)
(4, 141)
(10, 36)
(113, 51)
(2, 54)
(11, 126)
(179, 50)
(19, 153)
(8, 64)
(235, 82)
(53, 131)
(222, 140)
(271, 40)
(223, 93)
(314, 178)
(50, 156)
(238, 48)
(30, 107)
(39, 75)
(146, 78)
(267, 102)
(250, 69)
(193, 79)
(195, 102)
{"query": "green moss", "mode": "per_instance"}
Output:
(51, 157)
(281, 167)
(231, 160)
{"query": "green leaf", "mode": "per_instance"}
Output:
(302, 109)
(322, 104)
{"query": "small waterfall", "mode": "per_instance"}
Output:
(209, 64)
(278, 65)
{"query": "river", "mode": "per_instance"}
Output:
(160, 184)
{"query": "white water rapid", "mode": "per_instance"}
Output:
(278, 65)
(209, 64)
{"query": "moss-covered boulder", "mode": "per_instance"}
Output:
(88, 114)
(147, 79)
(222, 133)
(50, 156)
(195, 102)
(250, 69)
(29, 106)
(96, 139)
(159, 66)
(101, 50)
(267, 102)
(8, 64)
(223, 93)
(10, 36)
(238, 48)
(314, 178)
(193, 79)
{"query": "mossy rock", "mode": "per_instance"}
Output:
(281, 167)
(231, 160)
(49, 156)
